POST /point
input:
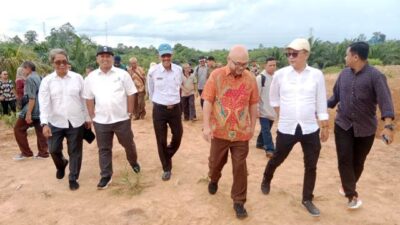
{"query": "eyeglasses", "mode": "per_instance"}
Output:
(293, 54)
(58, 63)
(239, 64)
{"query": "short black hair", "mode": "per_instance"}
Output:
(29, 64)
(270, 58)
(211, 58)
(360, 48)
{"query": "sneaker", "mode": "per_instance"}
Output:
(260, 147)
(136, 168)
(21, 157)
(40, 157)
(265, 187)
(341, 192)
(61, 172)
(311, 208)
(240, 210)
(104, 182)
(355, 203)
(166, 175)
(212, 187)
(73, 185)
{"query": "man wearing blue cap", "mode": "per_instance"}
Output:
(164, 81)
(113, 90)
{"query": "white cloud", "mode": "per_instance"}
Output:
(204, 24)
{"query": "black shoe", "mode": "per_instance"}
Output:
(311, 208)
(269, 153)
(265, 187)
(104, 182)
(73, 185)
(212, 187)
(166, 175)
(136, 168)
(61, 172)
(240, 210)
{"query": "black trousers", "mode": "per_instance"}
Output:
(311, 146)
(6, 104)
(163, 117)
(74, 138)
(352, 153)
(201, 99)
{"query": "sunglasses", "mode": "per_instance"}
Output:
(59, 62)
(293, 54)
(238, 64)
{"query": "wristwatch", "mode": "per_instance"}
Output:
(389, 126)
(43, 124)
(130, 115)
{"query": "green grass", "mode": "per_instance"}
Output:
(130, 183)
(9, 120)
(332, 69)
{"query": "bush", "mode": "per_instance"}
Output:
(332, 69)
(10, 119)
(375, 62)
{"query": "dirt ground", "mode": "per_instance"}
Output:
(30, 193)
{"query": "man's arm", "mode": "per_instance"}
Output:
(253, 117)
(207, 109)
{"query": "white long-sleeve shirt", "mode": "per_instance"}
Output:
(301, 98)
(61, 101)
(164, 85)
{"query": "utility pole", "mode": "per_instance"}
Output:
(106, 33)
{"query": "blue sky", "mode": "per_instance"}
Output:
(204, 24)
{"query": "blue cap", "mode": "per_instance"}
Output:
(164, 49)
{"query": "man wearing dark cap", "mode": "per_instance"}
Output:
(118, 64)
(113, 90)
(201, 74)
(164, 81)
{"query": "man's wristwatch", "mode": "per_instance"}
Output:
(43, 124)
(130, 115)
(389, 127)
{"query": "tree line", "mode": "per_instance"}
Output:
(82, 51)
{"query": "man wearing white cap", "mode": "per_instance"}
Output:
(164, 81)
(298, 96)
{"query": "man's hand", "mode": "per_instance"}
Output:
(88, 124)
(389, 134)
(28, 118)
(250, 130)
(46, 131)
(207, 134)
(324, 133)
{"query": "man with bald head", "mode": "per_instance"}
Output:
(298, 96)
(230, 110)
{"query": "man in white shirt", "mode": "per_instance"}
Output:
(266, 112)
(63, 115)
(299, 97)
(113, 90)
(164, 81)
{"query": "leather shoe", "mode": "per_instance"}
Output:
(61, 172)
(73, 185)
(136, 168)
(240, 210)
(265, 187)
(166, 175)
(212, 187)
(311, 208)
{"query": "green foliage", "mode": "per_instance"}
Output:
(82, 52)
(9, 120)
(375, 62)
(332, 69)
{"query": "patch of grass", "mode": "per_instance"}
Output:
(204, 179)
(9, 120)
(332, 69)
(130, 183)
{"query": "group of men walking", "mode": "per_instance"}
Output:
(232, 100)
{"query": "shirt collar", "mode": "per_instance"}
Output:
(307, 68)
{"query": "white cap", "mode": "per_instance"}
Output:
(299, 44)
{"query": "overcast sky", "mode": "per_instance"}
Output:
(204, 24)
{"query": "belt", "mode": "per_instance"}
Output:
(166, 106)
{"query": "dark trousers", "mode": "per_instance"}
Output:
(189, 111)
(264, 139)
(311, 146)
(74, 138)
(139, 104)
(8, 104)
(105, 135)
(201, 99)
(352, 153)
(163, 117)
(218, 157)
(21, 136)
